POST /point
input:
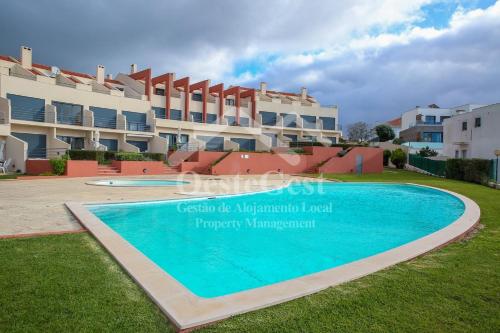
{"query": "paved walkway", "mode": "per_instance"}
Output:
(37, 206)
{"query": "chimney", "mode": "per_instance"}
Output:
(133, 68)
(109, 76)
(26, 57)
(100, 74)
(263, 87)
(303, 93)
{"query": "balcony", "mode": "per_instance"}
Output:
(138, 126)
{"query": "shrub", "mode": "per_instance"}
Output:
(155, 156)
(427, 152)
(384, 133)
(473, 170)
(129, 156)
(398, 158)
(89, 155)
(387, 156)
(398, 141)
(58, 165)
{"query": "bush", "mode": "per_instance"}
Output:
(129, 156)
(398, 158)
(387, 156)
(89, 155)
(473, 170)
(59, 165)
(155, 156)
(427, 152)
(398, 141)
(384, 133)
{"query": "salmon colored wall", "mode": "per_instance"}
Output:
(36, 167)
(259, 163)
(82, 168)
(177, 157)
(129, 168)
(372, 161)
(201, 161)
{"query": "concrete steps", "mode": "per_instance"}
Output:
(168, 170)
(107, 170)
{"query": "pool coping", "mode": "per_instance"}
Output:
(186, 310)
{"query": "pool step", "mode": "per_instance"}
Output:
(107, 170)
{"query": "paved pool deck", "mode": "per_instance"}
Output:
(36, 206)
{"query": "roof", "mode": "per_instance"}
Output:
(395, 122)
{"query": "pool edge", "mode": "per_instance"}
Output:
(186, 310)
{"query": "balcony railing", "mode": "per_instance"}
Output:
(138, 126)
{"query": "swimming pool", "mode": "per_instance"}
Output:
(137, 182)
(225, 245)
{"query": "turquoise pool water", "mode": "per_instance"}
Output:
(137, 182)
(219, 246)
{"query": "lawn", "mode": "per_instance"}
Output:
(68, 283)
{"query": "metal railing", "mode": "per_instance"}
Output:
(138, 126)
(28, 115)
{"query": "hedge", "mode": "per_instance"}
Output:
(102, 156)
(472, 170)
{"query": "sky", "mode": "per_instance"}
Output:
(373, 58)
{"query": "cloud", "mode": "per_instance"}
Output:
(368, 56)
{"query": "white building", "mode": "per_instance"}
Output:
(474, 134)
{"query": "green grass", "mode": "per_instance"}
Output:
(68, 283)
(8, 176)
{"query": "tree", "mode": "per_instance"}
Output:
(398, 158)
(387, 156)
(397, 141)
(358, 131)
(427, 152)
(384, 133)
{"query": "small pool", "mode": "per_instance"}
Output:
(223, 245)
(137, 182)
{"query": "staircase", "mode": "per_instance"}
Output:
(107, 170)
(168, 170)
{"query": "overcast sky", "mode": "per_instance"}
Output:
(373, 58)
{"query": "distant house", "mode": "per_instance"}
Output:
(474, 134)
(395, 124)
(424, 125)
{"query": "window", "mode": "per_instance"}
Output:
(464, 153)
(430, 120)
(289, 120)
(274, 138)
(175, 114)
(70, 114)
(136, 121)
(432, 136)
(464, 126)
(160, 113)
(75, 142)
(212, 143)
(244, 122)
(268, 118)
(160, 91)
(196, 117)
(230, 101)
(197, 97)
(332, 139)
(457, 154)
(245, 144)
(309, 121)
(328, 123)
(477, 122)
(173, 139)
(292, 137)
(211, 118)
(231, 120)
(104, 118)
(37, 144)
(27, 108)
(142, 145)
(112, 144)
(309, 138)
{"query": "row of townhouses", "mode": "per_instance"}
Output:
(45, 110)
(466, 131)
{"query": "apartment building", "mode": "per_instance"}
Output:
(45, 110)
(423, 126)
(474, 134)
